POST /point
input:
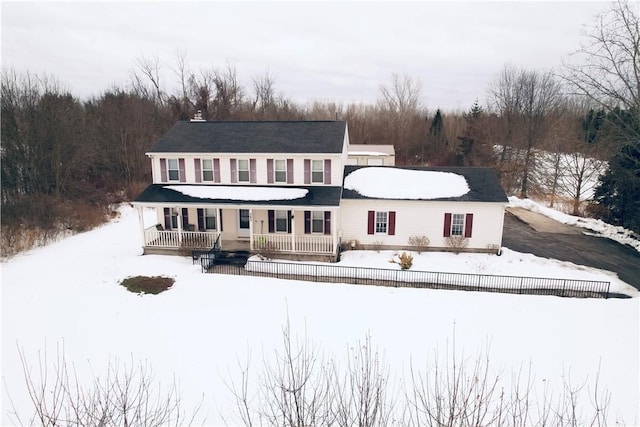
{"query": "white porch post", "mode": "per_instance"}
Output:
(293, 231)
(180, 227)
(251, 229)
(334, 230)
(141, 220)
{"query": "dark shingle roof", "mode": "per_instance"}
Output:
(484, 185)
(316, 196)
(253, 137)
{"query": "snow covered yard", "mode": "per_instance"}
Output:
(68, 293)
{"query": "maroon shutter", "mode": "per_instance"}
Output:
(163, 170)
(447, 225)
(216, 170)
(201, 224)
(468, 225)
(271, 217)
(183, 176)
(234, 170)
(289, 171)
(269, 171)
(371, 222)
(327, 171)
(220, 218)
(307, 171)
(252, 171)
(196, 165)
(391, 227)
(167, 219)
(307, 222)
(185, 219)
(327, 222)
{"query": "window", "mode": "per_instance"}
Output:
(281, 171)
(457, 224)
(210, 219)
(243, 170)
(282, 221)
(317, 222)
(207, 170)
(174, 217)
(173, 170)
(317, 171)
(381, 222)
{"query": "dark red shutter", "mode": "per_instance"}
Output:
(220, 216)
(216, 170)
(271, 220)
(234, 170)
(307, 171)
(252, 171)
(196, 165)
(447, 225)
(185, 219)
(371, 222)
(201, 224)
(289, 171)
(327, 222)
(307, 222)
(163, 170)
(391, 228)
(327, 171)
(167, 219)
(468, 225)
(269, 171)
(183, 176)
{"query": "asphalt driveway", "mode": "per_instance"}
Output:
(568, 243)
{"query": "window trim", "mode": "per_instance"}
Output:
(378, 224)
(214, 216)
(248, 170)
(321, 220)
(203, 170)
(285, 219)
(276, 170)
(315, 171)
(457, 224)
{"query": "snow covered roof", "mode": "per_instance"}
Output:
(426, 183)
(241, 195)
(370, 150)
(253, 137)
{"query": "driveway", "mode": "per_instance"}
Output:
(529, 232)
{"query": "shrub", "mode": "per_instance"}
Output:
(421, 243)
(377, 245)
(456, 243)
(405, 260)
(147, 285)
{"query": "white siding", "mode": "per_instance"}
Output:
(337, 166)
(422, 218)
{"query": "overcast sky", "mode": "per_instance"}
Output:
(327, 51)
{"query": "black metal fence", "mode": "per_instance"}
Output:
(413, 278)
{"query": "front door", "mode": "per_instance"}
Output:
(243, 222)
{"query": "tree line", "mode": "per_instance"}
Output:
(66, 162)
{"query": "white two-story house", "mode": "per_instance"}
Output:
(285, 187)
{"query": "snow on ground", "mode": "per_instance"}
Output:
(68, 293)
(601, 228)
(399, 184)
(239, 192)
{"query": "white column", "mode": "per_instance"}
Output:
(334, 230)
(180, 226)
(293, 231)
(141, 220)
(251, 229)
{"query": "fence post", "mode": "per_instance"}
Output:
(564, 285)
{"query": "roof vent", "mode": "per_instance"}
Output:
(197, 117)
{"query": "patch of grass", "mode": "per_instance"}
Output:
(147, 285)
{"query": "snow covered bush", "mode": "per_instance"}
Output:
(405, 260)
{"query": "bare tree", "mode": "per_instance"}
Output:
(146, 79)
(606, 69)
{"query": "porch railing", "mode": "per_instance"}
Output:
(179, 239)
(286, 243)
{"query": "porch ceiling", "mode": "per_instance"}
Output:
(316, 196)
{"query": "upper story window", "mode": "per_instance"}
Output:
(207, 169)
(280, 171)
(317, 171)
(243, 170)
(173, 170)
